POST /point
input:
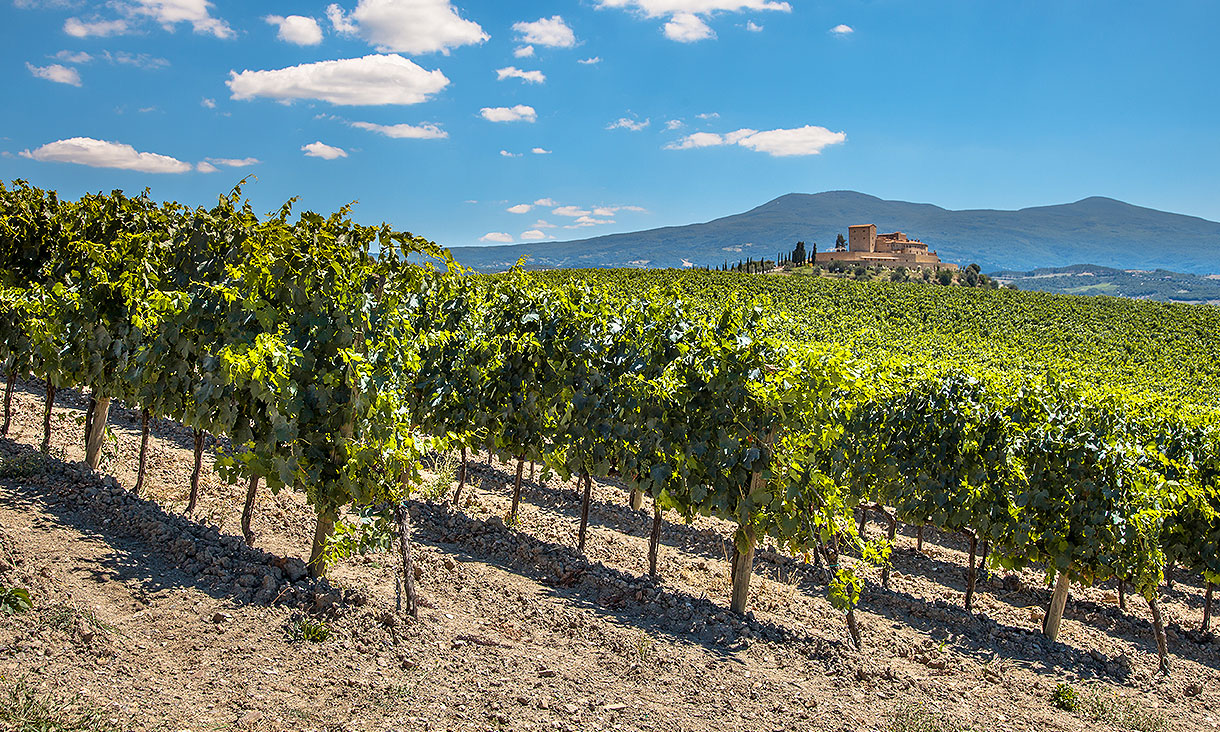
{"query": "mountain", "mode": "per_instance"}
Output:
(1100, 230)
(1089, 279)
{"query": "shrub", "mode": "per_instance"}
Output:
(14, 600)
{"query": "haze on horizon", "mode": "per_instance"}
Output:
(482, 122)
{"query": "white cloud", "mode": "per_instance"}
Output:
(520, 208)
(687, 28)
(807, 140)
(171, 12)
(674, 124)
(73, 57)
(540, 151)
(512, 72)
(509, 114)
(499, 237)
(753, 27)
(608, 211)
(298, 29)
(81, 29)
(206, 167)
(374, 79)
(55, 72)
(708, 115)
(546, 202)
(103, 154)
(590, 61)
(552, 32)
(628, 124)
(209, 103)
(404, 131)
(507, 154)
(532, 235)
(842, 30)
(543, 224)
(234, 162)
(408, 26)
(584, 221)
(523, 51)
(140, 60)
(571, 211)
(322, 150)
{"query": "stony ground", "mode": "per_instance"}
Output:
(146, 619)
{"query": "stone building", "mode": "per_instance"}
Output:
(865, 246)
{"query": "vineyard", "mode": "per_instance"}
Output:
(1073, 438)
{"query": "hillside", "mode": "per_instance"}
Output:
(1100, 230)
(1089, 279)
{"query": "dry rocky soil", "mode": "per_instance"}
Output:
(147, 619)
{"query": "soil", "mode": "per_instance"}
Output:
(169, 622)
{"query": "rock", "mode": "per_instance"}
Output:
(326, 601)
(450, 564)
(1194, 688)
(250, 718)
(294, 569)
(1036, 614)
(219, 618)
(547, 673)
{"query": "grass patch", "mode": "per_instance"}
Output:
(26, 709)
(917, 717)
(309, 630)
(14, 600)
(1109, 709)
(444, 475)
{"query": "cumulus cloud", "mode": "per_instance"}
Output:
(540, 151)
(498, 237)
(507, 154)
(404, 131)
(708, 115)
(590, 61)
(532, 235)
(105, 154)
(552, 32)
(546, 202)
(628, 124)
(520, 208)
(73, 57)
(206, 167)
(687, 18)
(674, 124)
(842, 30)
(687, 28)
(523, 51)
(208, 103)
(584, 221)
(516, 113)
(543, 224)
(807, 140)
(408, 26)
(512, 72)
(234, 162)
(81, 29)
(298, 29)
(371, 80)
(320, 149)
(571, 211)
(58, 73)
(753, 27)
(139, 60)
(171, 12)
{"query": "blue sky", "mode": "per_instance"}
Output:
(588, 117)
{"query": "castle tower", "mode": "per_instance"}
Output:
(862, 238)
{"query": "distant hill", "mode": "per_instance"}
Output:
(1090, 279)
(1101, 230)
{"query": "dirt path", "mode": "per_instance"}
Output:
(166, 622)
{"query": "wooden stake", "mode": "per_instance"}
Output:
(457, 495)
(863, 520)
(89, 411)
(143, 451)
(1207, 608)
(919, 538)
(404, 548)
(194, 499)
(637, 499)
(512, 515)
(46, 418)
(654, 541)
(742, 567)
(1054, 615)
(1122, 595)
(8, 401)
(584, 510)
(885, 571)
(532, 471)
(970, 571)
(1158, 630)
(247, 512)
(97, 433)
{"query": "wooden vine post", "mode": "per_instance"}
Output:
(247, 512)
(743, 565)
(1158, 630)
(402, 517)
(97, 432)
(637, 499)
(893, 531)
(584, 509)
(512, 514)
(1207, 608)
(8, 401)
(654, 540)
(46, 418)
(194, 499)
(457, 495)
(1054, 615)
(971, 571)
(143, 451)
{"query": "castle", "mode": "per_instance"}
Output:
(865, 246)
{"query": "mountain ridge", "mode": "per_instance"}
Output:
(1105, 231)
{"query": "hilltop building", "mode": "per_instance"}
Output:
(865, 246)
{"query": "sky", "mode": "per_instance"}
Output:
(483, 121)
